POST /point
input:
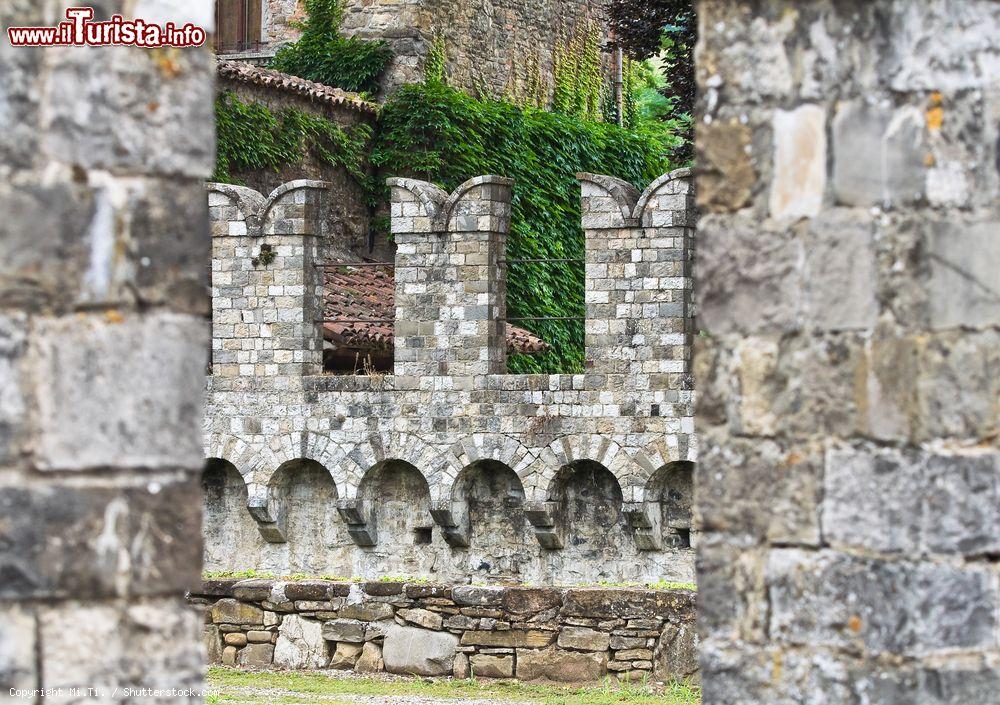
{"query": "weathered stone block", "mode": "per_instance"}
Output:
(18, 658)
(367, 611)
(230, 611)
(839, 272)
(940, 503)
(489, 666)
(349, 630)
(413, 651)
(840, 601)
(878, 154)
(475, 595)
(147, 111)
(799, 172)
(301, 644)
(111, 645)
(584, 639)
(422, 618)
(755, 274)
(107, 535)
(256, 656)
(558, 665)
(964, 284)
(509, 637)
(345, 656)
(96, 405)
(370, 660)
(676, 656)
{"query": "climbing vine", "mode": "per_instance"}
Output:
(433, 132)
(250, 136)
(323, 55)
(578, 77)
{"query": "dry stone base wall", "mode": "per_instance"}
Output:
(438, 630)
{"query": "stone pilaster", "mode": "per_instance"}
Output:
(450, 283)
(848, 290)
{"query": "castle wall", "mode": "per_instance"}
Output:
(848, 287)
(491, 44)
(103, 154)
(587, 477)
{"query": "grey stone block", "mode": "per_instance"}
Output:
(878, 154)
(98, 404)
(107, 535)
(413, 651)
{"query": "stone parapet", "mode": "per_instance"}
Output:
(450, 468)
(563, 634)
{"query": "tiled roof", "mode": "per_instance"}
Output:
(255, 75)
(368, 293)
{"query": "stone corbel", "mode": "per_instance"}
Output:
(545, 520)
(644, 518)
(360, 527)
(269, 515)
(453, 519)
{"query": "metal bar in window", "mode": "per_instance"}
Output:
(553, 259)
(357, 320)
(547, 318)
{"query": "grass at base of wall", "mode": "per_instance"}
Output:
(296, 577)
(229, 686)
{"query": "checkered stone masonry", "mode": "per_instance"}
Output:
(638, 290)
(450, 286)
(266, 287)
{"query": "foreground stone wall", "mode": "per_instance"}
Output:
(849, 290)
(438, 630)
(102, 351)
(450, 469)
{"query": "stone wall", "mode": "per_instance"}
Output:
(438, 630)
(450, 469)
(102, 351)
(491, 44)
(848, 285)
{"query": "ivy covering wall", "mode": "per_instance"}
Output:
(251, 136)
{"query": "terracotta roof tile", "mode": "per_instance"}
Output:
(255, 75)
(366, 294)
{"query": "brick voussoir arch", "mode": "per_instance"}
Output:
(654, 456)
(233, 450)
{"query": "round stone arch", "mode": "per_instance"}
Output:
(227, 527)
(597, 448)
